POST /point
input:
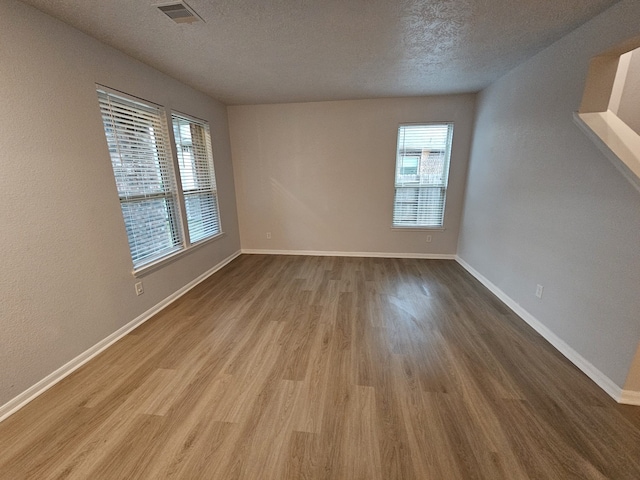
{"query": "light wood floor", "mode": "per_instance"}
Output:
(332, 368)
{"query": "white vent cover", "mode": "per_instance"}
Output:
(179, 12)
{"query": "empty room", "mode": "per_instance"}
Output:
(320, 240)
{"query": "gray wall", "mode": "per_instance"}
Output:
(544, 206)
(320, 176)
(66, 279)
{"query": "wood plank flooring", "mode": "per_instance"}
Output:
(285, 367)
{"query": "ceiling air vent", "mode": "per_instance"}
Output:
(179, 12)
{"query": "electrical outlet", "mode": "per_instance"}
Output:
(268, 235)
(139, 288)
(428, 238)
(539, 289)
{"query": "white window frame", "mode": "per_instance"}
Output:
(180, 226)
(403, 186)
(209, 187)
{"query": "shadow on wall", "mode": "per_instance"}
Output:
(286, 201)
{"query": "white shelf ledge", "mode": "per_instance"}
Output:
(619, 142)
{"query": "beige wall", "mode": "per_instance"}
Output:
(545, 206)
(629, 108)
(65, 281)
(320, 176)
(633, 379)
(619, 81)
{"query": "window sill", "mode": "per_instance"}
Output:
(432, 229)
(152, 267)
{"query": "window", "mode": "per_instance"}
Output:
(422, 172)
(193, 145)
(151, 194)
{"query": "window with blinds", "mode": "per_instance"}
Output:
(422, 173)
(163, 212)
(138, 141)
(195, 160)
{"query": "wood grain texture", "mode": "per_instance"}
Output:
(285, 367)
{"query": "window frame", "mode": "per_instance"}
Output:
(185, 246)
(211, 173)
(421, 189)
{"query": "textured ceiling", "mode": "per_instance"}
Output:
(267, 51)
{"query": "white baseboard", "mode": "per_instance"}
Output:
(622, 396)
(50, 380)
(323, 253)
(604, 382)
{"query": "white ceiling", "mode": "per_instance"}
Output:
(271, 51)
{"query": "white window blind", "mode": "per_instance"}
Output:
(137, 136)
(422, 173)
(195, 160)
